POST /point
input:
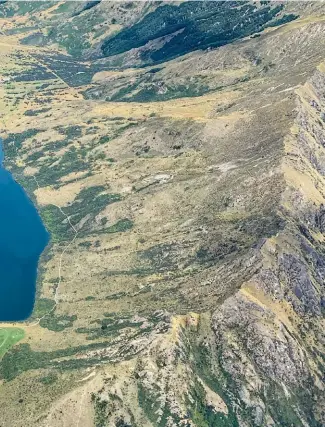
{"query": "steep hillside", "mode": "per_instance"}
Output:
(184, 193)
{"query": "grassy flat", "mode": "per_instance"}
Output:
(9, 337)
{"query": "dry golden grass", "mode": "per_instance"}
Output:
(174, 197)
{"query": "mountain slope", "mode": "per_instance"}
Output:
(184, 280)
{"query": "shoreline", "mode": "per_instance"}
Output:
(44, 235)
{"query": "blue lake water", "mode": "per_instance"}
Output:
(23, 238)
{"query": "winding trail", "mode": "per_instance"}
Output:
(56, 295)
(56, 299)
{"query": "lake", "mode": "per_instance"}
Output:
(23, 238)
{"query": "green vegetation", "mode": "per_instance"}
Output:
(33, 72)
(148, 88)
(56, 224)
(119, 227)
(103, 411)
(78, 158)
(21, 358)
(104, 139)
(118, 295)
(69, 24)
(36, 112)
(70, 132)
(194, 25)
(100, 413)
(219, 251)
(49, 379)
(85, 244)
(89, 202)
(149, 402)
(57, 323)
(73, 35)
(42, 307)
(50, 148)
(14, 141)
(138, 271)
(21, 8)
(161, 257)
(283, 20)
(52, 169)
(216, 378)
(9, 337)
(109, 327)
(284, 411)
(64, 8)
(71, 161)
(116, 131)
(150, 94)
(74, 73)
(264, 224)
(202, 414)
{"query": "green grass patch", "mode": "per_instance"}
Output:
(9, 337)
